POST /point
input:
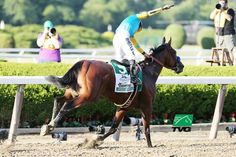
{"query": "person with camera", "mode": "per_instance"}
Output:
(50, 43)
(223, 17)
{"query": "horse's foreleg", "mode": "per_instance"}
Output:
(146, 123)
(115, 123)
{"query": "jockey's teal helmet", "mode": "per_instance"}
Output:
(48, 24)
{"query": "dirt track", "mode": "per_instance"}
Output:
(170, 144)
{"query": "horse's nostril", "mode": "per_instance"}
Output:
(178, 69)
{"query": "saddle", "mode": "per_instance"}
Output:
(124, 82)
(126, 64)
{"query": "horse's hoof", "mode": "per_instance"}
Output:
(45, 129)
(150, 146)
(99, 138)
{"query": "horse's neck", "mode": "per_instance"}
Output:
(152, 72)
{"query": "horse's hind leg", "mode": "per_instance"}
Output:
(67, 106)
(115, 123)
(58, 102)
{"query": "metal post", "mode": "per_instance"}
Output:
(218, 112)
(15, 119)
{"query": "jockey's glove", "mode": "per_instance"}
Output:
(145, 55)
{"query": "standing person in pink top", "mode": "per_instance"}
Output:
(50, 43)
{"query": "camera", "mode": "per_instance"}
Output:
(52, 31)
(219, 6)
(100, 129)
(61, 136)
(231, 130)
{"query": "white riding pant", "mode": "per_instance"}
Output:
(124, 49)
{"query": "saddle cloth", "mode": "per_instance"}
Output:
(122, 78)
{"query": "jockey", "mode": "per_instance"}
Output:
(124, 41)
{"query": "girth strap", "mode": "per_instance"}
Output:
(130, 98)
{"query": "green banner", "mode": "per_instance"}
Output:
(183, 120)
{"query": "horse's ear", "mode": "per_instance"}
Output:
(163, 40)
(169, 42)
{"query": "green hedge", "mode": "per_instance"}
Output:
(177, 33)
(6, 40)
(38, 100)
(77, 37)
(205, 37)
(149, 37)
(25, 40)
(26, 36)
(73, 37)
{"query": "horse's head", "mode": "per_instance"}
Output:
(166, 56)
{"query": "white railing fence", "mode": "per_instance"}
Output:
(21, 81)
(188, 56)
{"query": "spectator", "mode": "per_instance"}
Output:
(223, 17)
(50, 43)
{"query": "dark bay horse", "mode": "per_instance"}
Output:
(88, 80)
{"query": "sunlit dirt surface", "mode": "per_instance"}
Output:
(172, 144)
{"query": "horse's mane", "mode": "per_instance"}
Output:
(154, 50)
(157, 49)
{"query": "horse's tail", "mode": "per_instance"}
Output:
(56, 81)
(69, 79)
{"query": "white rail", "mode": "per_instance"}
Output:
(21, 81)
(105, 54)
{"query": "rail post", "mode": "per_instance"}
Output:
(218, 112)
(15, 119)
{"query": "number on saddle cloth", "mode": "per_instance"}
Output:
(122, 76)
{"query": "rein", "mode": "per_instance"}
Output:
(160, 63)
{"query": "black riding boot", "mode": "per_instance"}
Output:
(133, 71)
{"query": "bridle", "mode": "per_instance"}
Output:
(160, 63)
